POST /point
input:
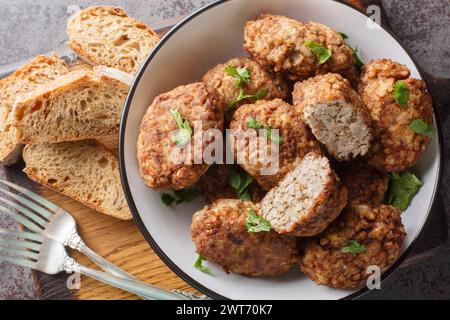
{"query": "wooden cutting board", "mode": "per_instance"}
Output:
(118, 241)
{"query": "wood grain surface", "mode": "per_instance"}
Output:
(123, 244)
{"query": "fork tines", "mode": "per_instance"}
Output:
(33, 211)
(20, 247)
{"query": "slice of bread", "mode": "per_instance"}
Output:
(39, 71)
(83, 170)
(83, 104)
(107, 36)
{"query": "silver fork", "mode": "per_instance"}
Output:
(43, 254)
(44, 217)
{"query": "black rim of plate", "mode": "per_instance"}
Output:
(175, 268)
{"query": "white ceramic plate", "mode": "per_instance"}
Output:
(210, 36)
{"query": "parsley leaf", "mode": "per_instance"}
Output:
(184, 133)
(401, 92)
(357, 61)
(198, 265)
(242, 75)
(322, 53)
(243, 96)
(240, 181)
(343, 35)
(421, 127)
(354, 247)
(179, 196)
(402, 188)
(255, 223)
(252, 123)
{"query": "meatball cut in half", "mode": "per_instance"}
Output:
(285, 45)
(165, 148)
(307, 200)
(363, 236)
(364, 183)
(270, 158)
(395, 103)
(257, 82)
(335, 114)
(220, 236)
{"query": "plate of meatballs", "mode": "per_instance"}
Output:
(280, 150)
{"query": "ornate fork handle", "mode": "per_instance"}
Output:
(134, 286)
(75, 242)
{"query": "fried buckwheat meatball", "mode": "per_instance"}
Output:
(307, 200)
(220, 235)
(278, 44)
(362, 236)
(335, 114)
(215, 184)
(259, 80)
(396, 147)
(160, 147)
(257, 158)
(364, 183)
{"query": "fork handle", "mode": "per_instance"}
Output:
(103, 263)
(134, 286)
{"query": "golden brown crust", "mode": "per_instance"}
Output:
(44, 105)
(215, 185)
(80, 42)
(157, 152)
(378, 228)
(365, 185)
(219, 234)
(261, 80)
(395, 146)
(37, 72)
(68, 187)
(298, 140)
(277, 43)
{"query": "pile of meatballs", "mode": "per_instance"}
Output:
(342, 134)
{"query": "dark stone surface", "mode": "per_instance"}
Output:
(423, 26)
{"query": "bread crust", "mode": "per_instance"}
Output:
(64, 179)
(115, 39)
(88, 122)
(37, 72)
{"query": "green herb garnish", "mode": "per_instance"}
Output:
(242, 75)
(179, 196)
(353, 247)
(255, 223)
(402, 188)
(240, 181)
(401, 92)
(252, 123)
(421, 127)
(243, 96)
(357, 61)
(184, 133)
(343, 35)
(322, 53)
(199, 265)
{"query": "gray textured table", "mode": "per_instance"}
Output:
(423, 25)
